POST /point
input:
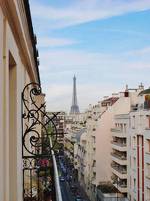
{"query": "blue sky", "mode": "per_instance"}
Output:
(105, 43)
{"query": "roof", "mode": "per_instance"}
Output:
(110, 100)
(146, 91)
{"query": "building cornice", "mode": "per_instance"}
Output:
(17, 20)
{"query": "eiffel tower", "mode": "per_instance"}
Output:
(74, 108)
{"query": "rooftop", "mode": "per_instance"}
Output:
(146, 91)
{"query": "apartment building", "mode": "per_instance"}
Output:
(139, 149)
(84, 147)
(112, 154)
(59, 121)
(114, 147)
(18, 67)
(74, 127)
(110, 162)
(69, 142)
(120, 142)
(81, 158)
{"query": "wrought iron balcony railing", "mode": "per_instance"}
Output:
(119, 143)
(39, 137)
(119, 156)
(119, 169)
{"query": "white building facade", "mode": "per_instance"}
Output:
(139, 151)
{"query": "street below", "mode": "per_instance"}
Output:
(66, 193)
(70, 188)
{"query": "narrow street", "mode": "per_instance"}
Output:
(70, 189)
(66, 193)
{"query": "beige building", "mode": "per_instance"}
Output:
(119, 135)
(112, 154)
(18, 66)
(112, 142)
(103, 149)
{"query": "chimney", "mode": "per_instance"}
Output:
(126, 93)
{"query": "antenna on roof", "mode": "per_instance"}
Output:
(141, 86)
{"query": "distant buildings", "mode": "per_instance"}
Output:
(59, 122)
(111, 147)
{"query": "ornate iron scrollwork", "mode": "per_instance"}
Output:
(39, 136)
(35, 132)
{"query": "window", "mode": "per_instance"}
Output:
(134, 184)
(134, 142)
(148, 193)
(134, 161)
(148, 145)
(148, 170)
(148, 121)
(125, 128)
(133, 122)
(121, 127)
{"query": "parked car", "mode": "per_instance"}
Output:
(73, 189)
(61, 178)
(78, 198)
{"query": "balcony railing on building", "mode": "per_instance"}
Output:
(119, 143)
(119, 155)
(118, 132)
(40, 173)
(119, 168)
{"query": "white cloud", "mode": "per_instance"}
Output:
(85, 11)
(140, 52)
(54, 42)
(77, 61)
(73, 58)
